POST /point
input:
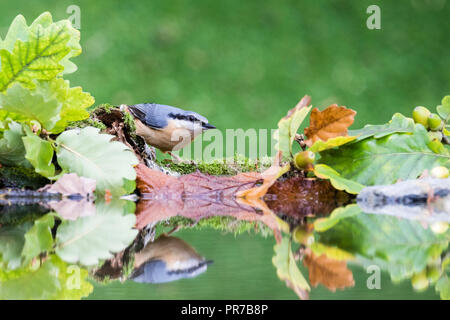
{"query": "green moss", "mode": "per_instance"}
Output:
(232, 166)
(86, 123)
(128, 268)
(105, 106)
(129, 124)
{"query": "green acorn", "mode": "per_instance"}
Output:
(303, 158)
(420, 115)
(433, 273)
(435, 122)
(435, 135)
(420, 281)
(439, 172)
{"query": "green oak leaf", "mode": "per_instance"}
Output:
(288, 127)
(11, 243)
(32, 105)
(325, 172)
(388, 159)
(74, 101)
(443, 287)
(39, 238)
(321, 145)
(90, 239)
(40, 154)
(444, 109)
(91, 154)
(12, 149)
(399, 123)
(323, 224)
(53, 280)
(17, 31)
(287, 269)
(40, 52)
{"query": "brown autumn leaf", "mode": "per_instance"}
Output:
(269, 177)
(194, 196)
(329, 123)
(71, 184)
(333, 274)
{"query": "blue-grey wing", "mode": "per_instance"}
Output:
(152, 114)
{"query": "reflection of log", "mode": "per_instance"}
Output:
(421, 199)
(298, 197)
(17, 177)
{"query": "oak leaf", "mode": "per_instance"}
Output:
(329, 123)
(333, 274)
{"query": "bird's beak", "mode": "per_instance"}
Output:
(207, 126)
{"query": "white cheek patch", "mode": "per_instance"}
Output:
(183, 124)
(195, 126)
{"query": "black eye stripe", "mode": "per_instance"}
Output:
(184, 117)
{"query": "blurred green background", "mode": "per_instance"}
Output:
(243, 64)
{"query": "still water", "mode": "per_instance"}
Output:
(309, 241)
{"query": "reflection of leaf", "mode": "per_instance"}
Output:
(384, 161)
(12, 150)
(400, 246)
(288, 126)
(94, 238)
(443, 287)
(288, 270)
(40, 154)
(398, 124)
(325, 172)
(321, 145)
(52, 280)
(331, 252)
(39, 238)
(329, 123)
(91, 154)
(323, 224)
(194, 196)
(11, 244)
(333, 274)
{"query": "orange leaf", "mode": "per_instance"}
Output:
(329, 123)
(333, 274)
(269, 176)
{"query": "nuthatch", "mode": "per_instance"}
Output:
(167, 259)
(167, 128)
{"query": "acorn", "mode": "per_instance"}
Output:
(435, 122)
(433, 273)
(420, 115)
(420, 281)
(303, 236)
(304, 158)
(439, 227)
(439, 172)
(435, 135)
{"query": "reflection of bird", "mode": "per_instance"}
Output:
(167, 128)
(167, 259)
